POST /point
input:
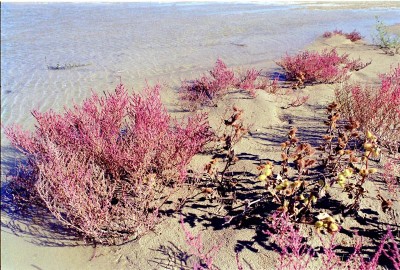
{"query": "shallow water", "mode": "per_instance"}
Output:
(133, 42)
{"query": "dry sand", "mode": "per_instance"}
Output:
(32, 247)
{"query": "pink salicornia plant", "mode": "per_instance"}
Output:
(205, 259)
(391, 171)
(103, 167)
(377, 109)
(206, 89)
(352, 36)
(388, 247)
(294, 253)
(248, 82)
(316, 67)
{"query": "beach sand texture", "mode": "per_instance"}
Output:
(130, 48)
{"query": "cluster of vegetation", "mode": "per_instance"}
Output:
(347, 158)
(206, 90)
(319, 67)
(294, 251)
(105, 168)
(377, 109)
(389, 43)
(352, 36)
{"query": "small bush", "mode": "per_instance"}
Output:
(102, 168)
(204, 259)
(315, 67)
(352, 36)
(294, 252)
(231, 132)
(391, 175)
(206, 89)
(248, 83)
(390, 44)
(377, 109)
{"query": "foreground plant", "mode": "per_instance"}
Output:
(305, 174)
(386, 249)
(106, 167)
(294, 252)
(232, 131)
(377, 109)
(204, 257)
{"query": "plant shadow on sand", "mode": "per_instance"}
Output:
(171, 257)
(369, 228)
(33, 221)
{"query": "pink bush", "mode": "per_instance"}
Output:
(248, 83)
(353, 36)
(387, 247)
(390, 174)
(315, 67)
(204, 90)
(299, 100)
(392, 250)
(327, 34)
(100, 167)
(207, 89)
(376, 109)
(197, 249)
(294, 252)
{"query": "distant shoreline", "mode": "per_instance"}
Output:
(324, 4)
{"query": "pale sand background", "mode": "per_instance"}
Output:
(163, 248)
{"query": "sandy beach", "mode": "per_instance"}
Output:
(38, 242)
